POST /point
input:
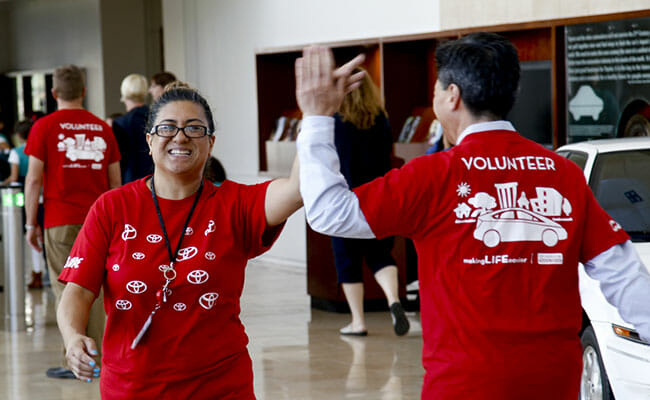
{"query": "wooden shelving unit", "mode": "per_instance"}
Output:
(404, 69)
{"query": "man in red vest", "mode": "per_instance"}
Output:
(499, 222)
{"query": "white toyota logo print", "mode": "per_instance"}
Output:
(197, 277)
(136, 287)
(180, 306)
(186, 253)
(116, 267)
(154, 238)
(163, 267)
(137, 255)
(208, 299)
(189, 231)
(210, 255)
(129, 232)
(211, 228)
(123, 305)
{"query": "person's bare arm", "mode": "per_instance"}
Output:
(283, 197)
(33, 185)
(13, 176)
(114, 175)
(72, 318)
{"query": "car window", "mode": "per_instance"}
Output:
(507, 215)
(525, 215)
(577, 157)
(621, 184)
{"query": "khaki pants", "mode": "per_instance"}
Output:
(58, 244)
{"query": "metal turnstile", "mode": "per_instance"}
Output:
(13, 201)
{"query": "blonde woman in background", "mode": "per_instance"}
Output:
(364, 143)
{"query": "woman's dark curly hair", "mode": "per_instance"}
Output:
(178, 91)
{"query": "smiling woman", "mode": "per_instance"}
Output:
(180, 142)
(170, 251)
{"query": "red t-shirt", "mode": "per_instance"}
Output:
(121, 247)
(76, 148)
(500, 224)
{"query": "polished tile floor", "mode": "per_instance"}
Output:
(297, 352)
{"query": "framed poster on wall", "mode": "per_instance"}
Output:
(608, 79)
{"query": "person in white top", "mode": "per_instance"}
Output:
(19, 162)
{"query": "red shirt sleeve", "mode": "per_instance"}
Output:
(600, 230)
(258, 236)
(87, 261)
(36, 142)
(401, 202)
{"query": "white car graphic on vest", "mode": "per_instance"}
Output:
(80, 148)
(515, 225)
(514, 215)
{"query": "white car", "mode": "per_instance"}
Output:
(616, 361)
(517, 224)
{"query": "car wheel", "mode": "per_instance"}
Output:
(491, 238)
(594, 384)
(549, 238)
(637, 125)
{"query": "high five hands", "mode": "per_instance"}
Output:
(319, 87)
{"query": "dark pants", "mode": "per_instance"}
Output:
(349, 254)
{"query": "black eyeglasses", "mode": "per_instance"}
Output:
(169, 130)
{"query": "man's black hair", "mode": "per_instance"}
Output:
(485, 67)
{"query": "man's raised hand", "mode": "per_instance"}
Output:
(319, 87)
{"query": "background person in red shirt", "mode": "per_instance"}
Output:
(499, 223)
(74, 158)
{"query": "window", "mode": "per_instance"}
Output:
(526, 216)
(578, 158)
(507, 215)
(621, 183)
